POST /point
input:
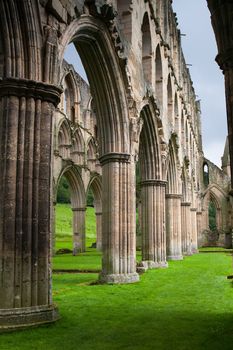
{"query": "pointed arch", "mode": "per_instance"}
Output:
(95, 185)
(149, 146)
(146, 49)
(78, 147)
(71, 96)
(101, 64)
(64, 139)
(91, 154)
(77, 190)
(170, 102)
(173, 183)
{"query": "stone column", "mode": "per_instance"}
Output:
(193, 212)
(26, 111)
(199, 226)
(186, 228)
(173, 226)
(153, 224)
(118, 219)
(98, 230)
(79, 241)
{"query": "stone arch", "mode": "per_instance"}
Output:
(152, 206)
(70, 97)
(64, 139)
(159, 76)
(91, 38)
(173, 206)
(176, 115)
(95, 185)
(78, 147)
(146, 49)
(173, 183)
(149, 147)
(78, 205)
(91, 154)
(21, 51)
(206, 174)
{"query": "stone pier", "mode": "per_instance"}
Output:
(186, 228)
(118, 215)
(79, 241)
(26, 110)
(153, 224)
(173, 221)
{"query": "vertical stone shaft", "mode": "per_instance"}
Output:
(118, 215)
(173, 221)
(25, 171)
(193, 212)
(98, 216)
(79, 241)
(186, 228)
(199, 226)
(153, 223)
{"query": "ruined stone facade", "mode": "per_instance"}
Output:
(144, 110)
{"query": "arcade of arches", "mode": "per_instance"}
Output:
(140, 108)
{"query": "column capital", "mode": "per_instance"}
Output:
(153, 182)
(98, 213)
(30, 88)
(193, 209)
(186, 204)
(173, 195)
(114, 157)
(78, 209)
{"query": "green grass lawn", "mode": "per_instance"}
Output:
(187, 306)
(64, 226)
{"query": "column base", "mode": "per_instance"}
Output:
(195, 251)
(145, 265)
(175, 257)
(119, 278)
(20, 318)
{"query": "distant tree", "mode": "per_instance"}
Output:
(63, 192)
(212, 216)
(90, 199)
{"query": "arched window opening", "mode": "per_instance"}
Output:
(64, 140)
(206, 174)
(170, 102)
(146, 49)
(176, 111)
(158, 76)
(78, 148)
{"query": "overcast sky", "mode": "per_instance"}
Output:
(200, 50)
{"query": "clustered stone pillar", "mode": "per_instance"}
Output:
(118, 219)
(153, 224)
(98, 216)
(186, 228)
(193, 212)
(173, 226)
(26, 111)
(79, 241)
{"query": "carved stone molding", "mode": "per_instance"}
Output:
(114, 157)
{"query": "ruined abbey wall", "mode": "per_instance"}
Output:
(142, 109)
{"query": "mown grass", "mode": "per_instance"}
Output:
(187, 306)
(64, 227)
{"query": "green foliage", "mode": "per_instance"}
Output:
(90, 199)
(63, 191)
(187, 306)
(212, 216)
